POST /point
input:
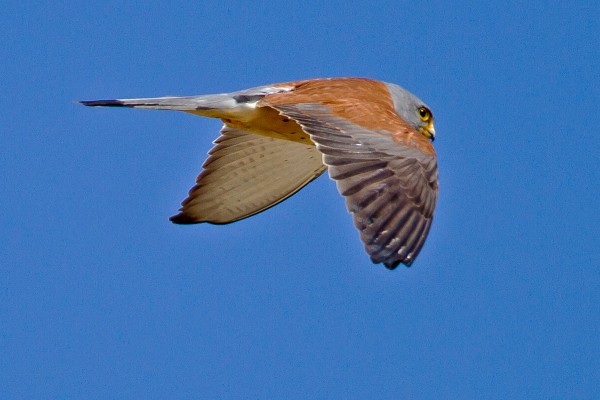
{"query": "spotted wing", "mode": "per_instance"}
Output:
(390, 188)
(246, 174)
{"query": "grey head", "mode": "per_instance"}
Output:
(413, 110)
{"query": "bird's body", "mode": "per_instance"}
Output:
(374, 137)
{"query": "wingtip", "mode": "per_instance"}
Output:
(183, 219)
(392, 265)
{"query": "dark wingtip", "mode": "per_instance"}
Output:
(103, 103)
(183, 219)
(391, 265)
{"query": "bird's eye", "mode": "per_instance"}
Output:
(424, 114)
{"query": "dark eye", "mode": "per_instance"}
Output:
(425, 114)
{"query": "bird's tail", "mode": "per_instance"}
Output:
(217, 105)
(212, 105)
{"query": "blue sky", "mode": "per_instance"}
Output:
(102, 297)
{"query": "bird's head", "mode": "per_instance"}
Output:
(413, 110)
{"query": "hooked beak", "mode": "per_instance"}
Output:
(429, 131)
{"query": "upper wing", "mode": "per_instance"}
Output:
(389, 179)
(246, 174)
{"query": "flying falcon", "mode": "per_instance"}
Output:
(375, 139)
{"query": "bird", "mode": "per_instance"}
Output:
(374, 138)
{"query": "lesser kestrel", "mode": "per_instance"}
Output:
(374, 138)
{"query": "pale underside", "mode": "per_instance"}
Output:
(247, 173)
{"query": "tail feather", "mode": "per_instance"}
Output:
(103, 103)
(195, 104)
(192, 103)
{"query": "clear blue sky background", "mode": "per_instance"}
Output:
(101, 297)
